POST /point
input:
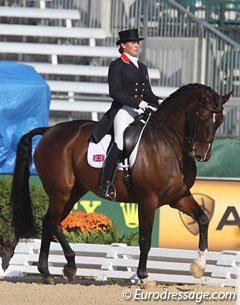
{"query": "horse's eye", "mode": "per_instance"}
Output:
(204, 118)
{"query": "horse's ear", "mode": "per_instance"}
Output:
(226, 97)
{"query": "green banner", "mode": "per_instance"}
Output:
(225, 161)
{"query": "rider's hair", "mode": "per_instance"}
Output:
(120, 49)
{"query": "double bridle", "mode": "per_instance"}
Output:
(194, 137)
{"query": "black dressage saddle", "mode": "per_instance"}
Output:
(132, 133)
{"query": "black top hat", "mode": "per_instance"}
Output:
(128, 35)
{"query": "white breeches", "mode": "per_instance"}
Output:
(123, 118)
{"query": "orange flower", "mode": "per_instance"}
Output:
(86, 222)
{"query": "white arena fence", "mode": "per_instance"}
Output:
(119, 261)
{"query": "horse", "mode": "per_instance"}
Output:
(178, 133)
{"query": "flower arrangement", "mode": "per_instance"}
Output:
(95, 228)
(86, 222)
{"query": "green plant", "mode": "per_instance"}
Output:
(40, 204)
(7, 240)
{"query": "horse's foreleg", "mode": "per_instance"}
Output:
(189, 206)
(198, 266)
(146, 218)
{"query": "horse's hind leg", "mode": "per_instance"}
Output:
(189, 206)
(69, 270)
(47, 237)
(52, 227)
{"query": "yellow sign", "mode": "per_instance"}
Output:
(130, 214)
(221, 202)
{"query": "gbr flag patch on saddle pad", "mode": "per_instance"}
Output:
(97, 153)
(98, 158)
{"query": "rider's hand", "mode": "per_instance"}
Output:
(143, 105)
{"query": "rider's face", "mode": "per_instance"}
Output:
(131, 47)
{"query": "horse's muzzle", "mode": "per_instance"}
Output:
(202, 152)
(201, 158)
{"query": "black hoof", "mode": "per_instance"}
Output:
(142, 274)
(69, 273)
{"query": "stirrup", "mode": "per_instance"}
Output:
(108, 192)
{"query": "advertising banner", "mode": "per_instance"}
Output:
(124, 214)
(220, 199)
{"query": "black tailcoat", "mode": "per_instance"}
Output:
(128, 85)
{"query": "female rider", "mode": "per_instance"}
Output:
(130, 89)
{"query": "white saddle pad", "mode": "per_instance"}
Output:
(97, 152)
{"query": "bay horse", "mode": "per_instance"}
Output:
(180, 132)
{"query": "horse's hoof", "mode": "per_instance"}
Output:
(196, 270)
(48, 280)
(148, 284)
(69, 273)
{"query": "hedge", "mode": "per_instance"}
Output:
(40, 204)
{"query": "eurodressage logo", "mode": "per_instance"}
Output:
(207, 204)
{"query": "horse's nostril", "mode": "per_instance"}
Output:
(201, 158)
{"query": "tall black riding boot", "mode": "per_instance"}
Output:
(108, 173)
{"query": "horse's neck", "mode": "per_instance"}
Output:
(173, 115)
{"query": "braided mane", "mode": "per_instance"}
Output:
(187, 87)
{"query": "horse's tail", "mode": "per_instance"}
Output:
(22, 215)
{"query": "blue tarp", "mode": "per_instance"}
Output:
(24, 105)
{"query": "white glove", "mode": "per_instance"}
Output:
(143, 105)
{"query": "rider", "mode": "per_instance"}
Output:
(130, 89)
